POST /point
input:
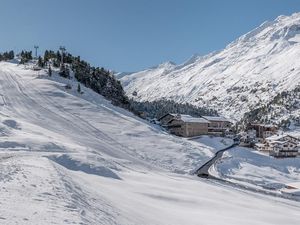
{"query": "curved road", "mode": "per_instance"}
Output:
(203, 170)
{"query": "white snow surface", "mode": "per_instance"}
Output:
(247, 73)
(69, 158)
(216, 143)
(251, 168)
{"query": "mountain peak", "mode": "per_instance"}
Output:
(164, 65)
(283, 28)
(167, 64)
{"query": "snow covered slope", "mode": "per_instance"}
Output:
(253, 169)
(69, 158)
(246, 74)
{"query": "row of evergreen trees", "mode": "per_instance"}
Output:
(98, 79)
(159, 108)
(25, 56)
(7, 56)
(279, 110)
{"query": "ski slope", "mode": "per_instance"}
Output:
(247, 74)
(69, 158)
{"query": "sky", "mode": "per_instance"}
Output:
(131, 35)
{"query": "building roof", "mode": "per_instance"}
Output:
(216, 118)
(260, 145)
(263, 125)
(190, 119)
(292, 188)
(171, 114)
(295, 185)
(277, 142)
(278, 137)
(186, 118)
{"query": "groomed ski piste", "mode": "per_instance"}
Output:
(71, 158)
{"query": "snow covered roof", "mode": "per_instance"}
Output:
(278, 137)
(278, 142)
(264, 125)
(275, 137)
(268, 125)
(172, 114)
(186, 118)
(259, 144)
(190, 119)
(215, 118)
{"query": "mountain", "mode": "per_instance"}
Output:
(249, 73)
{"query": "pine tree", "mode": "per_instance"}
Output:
(11, 55)
(78, 88)
(64, 71)
(29, 55)
(25, 56)
(49, 71)
(46, 56)
(40, 62)
(58, 56)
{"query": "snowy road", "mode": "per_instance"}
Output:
(67, 158)
(203, 171)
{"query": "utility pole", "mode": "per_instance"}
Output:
(62, 49)
(36, 49)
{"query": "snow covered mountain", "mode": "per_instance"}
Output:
(74, 158)
(248, 73)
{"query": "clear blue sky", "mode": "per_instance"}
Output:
(129, 35)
